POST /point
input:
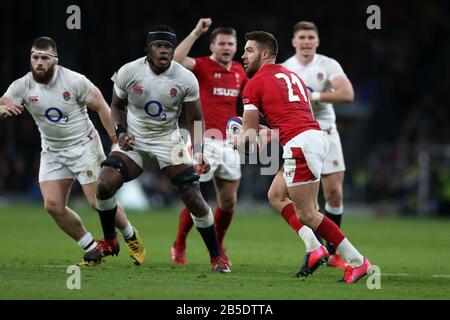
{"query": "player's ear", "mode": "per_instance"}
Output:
(211, 46)
(293, 42)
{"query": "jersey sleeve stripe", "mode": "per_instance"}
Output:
(249, 107)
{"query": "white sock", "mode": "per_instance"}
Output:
(350, 254)
(87, 242)
(334, 210)
(107, 204)
(309, 238)
(203, 222)
(128, 231)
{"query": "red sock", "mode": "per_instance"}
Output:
(222, 220)
(328, 230)
(288, 213)
(185, 224)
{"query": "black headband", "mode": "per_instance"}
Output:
(162, 36)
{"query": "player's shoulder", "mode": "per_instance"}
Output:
(325, 60)
(181, 72)
(290, 62)
(202, 60)
(69, 74)
(25, 82)
(133, 65)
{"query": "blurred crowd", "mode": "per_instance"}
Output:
(395, 135)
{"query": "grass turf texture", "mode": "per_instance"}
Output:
(413, 255)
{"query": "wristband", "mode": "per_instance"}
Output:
(120, 129)
(315, 96)
(194, 35)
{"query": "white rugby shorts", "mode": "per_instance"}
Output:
(304, 157)
(334, 161)
(169, 150)
(81, 162)
(224, 160)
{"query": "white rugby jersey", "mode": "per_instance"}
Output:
(154, 101)
(317, 76)
(58, 108)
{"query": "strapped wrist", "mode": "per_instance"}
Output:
(194, 34)
(315, 96)
(120, 129)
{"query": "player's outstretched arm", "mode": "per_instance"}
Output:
(8, 108)
(99, 105)
(182, 50)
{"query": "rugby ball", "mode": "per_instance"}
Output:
(234, 126)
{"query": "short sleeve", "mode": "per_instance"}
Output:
(251, 98)
(198, 66)
(334, 69)
(120, 85)
(192, 89)
(16, 91)
(85, 90)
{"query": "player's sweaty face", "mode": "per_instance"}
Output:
(252, 57)
(161, 53)
(305, 42)
(223, 48)
(42, 66)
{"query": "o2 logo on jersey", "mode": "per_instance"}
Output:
(55, 115)
(155, 110)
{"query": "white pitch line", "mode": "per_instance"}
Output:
(441, 276)
(396, 274)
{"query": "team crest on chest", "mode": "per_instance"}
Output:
(33, 99)
(217, 75)
(66, 96)
(173, 93)
(138, 89)
(320, 76)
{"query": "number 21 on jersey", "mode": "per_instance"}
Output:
(289, 82)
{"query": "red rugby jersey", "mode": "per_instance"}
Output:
(282, 98)
(219, 90)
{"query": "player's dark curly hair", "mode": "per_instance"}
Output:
(265, 40)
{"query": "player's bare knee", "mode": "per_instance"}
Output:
(276, 199)
(54, 208)
(228, 202)
(106, 188)
(334, 197)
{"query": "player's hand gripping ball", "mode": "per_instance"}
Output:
(234, 127)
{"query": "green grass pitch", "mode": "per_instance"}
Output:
(413, 256)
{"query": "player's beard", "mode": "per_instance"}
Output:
(43, 77)
(254, 67)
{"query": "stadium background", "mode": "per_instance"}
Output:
(395, 135)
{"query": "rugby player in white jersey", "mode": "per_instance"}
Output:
(327, 85)
(57, 97)
(147, 99)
